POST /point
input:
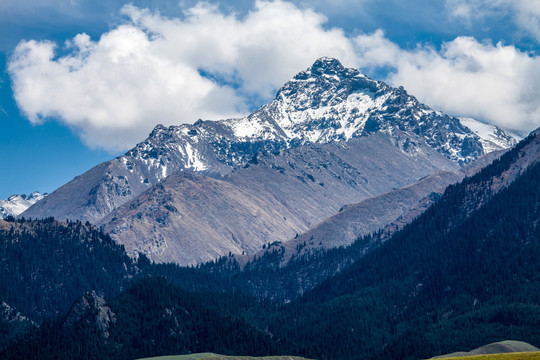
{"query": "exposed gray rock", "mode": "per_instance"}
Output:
(10, 315)
(92, 310)
(314, 182)
(369, 216)
(189, 218)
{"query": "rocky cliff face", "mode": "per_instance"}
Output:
(189, 218)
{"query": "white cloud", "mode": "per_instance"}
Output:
(113, 91)
(151, 69)
(527, 15)
(147, 71)
(495, 83)
(470, 11)
(524, 13)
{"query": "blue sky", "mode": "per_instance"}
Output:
(83, 81)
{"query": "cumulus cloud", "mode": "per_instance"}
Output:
(209, 64)
(154, 69)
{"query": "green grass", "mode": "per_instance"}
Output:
(210, 356)
(508, 356)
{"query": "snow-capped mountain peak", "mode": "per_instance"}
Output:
(323, 104)
(17, 204)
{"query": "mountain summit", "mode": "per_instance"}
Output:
(331, 136)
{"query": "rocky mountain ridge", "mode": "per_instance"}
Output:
(294, 190)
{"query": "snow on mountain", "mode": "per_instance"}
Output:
(17, 204)
(491, 137)
(323, 104)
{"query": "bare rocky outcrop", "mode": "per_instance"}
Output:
(91, 310)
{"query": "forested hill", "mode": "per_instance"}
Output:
(151, 318)
(47, 264)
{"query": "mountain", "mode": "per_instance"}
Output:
(356, 220)
(331, 136)
(462, 274)
(17, 204)
(286, 188)
(189, 218)
(491, 137)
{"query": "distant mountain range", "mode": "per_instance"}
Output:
(17, 204)
(331, 137)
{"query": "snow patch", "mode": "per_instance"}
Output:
(491, 137)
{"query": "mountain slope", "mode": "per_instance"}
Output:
(283, 195)
(151, 318)
(491, 137)
(46, 264)
(331, 137)
(189, 218)
(369, 216)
